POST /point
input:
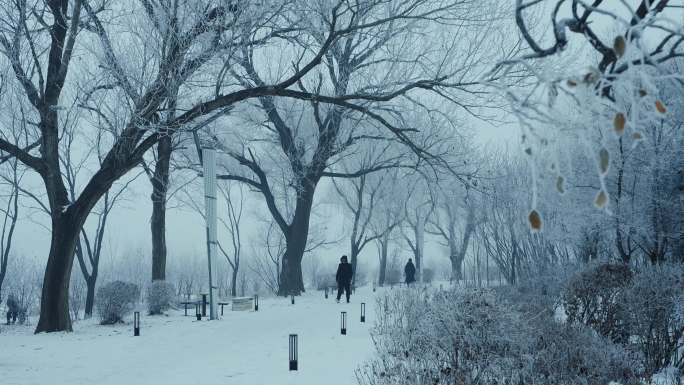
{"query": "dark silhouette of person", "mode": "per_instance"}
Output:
(343, 278)
(12, 309)
(410, 272)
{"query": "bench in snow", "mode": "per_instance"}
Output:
(242, 304)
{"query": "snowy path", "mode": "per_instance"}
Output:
(241, 348)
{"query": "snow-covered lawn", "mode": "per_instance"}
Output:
(241, 348)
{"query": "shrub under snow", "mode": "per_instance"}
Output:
(115, 300)
(651, 315)
(475, 337)
(159, 296)
(592, 298)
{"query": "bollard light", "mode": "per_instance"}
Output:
(136, 324)
(373, 286)
(198, 313)
(292, 297)
(363, 312)
(326, 292)
(256, 302)
(293, 352)
(343, 323)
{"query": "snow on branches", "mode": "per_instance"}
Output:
(630, 46)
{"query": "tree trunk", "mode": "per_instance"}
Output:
(160, 182)
(233, 285)
(420, 243)
(291, 282)
(54, 304)
(383, 261)
(90, 295)
(3, 271)
(456, 267)
(354, 260)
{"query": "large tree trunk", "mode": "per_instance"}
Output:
(54, 304)
(456, 267)
(160, 182)
(90, 295)
(291, 281)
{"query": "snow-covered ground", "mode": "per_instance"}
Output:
(241, 348)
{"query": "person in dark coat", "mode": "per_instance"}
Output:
(12, 309)
(344, 278)
(410, 272)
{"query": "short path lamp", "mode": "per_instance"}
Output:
(363, 312)
(293, 352)
(198, 312)
(136, 324)
(343, 323)
(256, 302)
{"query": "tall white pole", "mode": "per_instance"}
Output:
(209, 165)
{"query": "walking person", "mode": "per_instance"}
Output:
(410, 272)
(12, 309)
(343, 278)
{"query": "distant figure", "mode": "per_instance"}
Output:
(343, 278)
(12, 309)
(410, 272)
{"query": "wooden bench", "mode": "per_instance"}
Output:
(222, 305)
(186, 303)
(242, 304)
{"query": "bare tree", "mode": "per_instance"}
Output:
(266, 261)
(10, 212)
(389, 215)
(454, 222)
(234, 208)
(361, 196)
(419, 206)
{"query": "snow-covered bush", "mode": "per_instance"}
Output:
(115, 300)
(475, 337)
(651, 305)
(539, 293)
(591, 298)
(160, 296)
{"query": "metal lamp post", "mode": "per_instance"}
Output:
(293, 352)
(343, 323)
(136, 324)
(209, 173)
